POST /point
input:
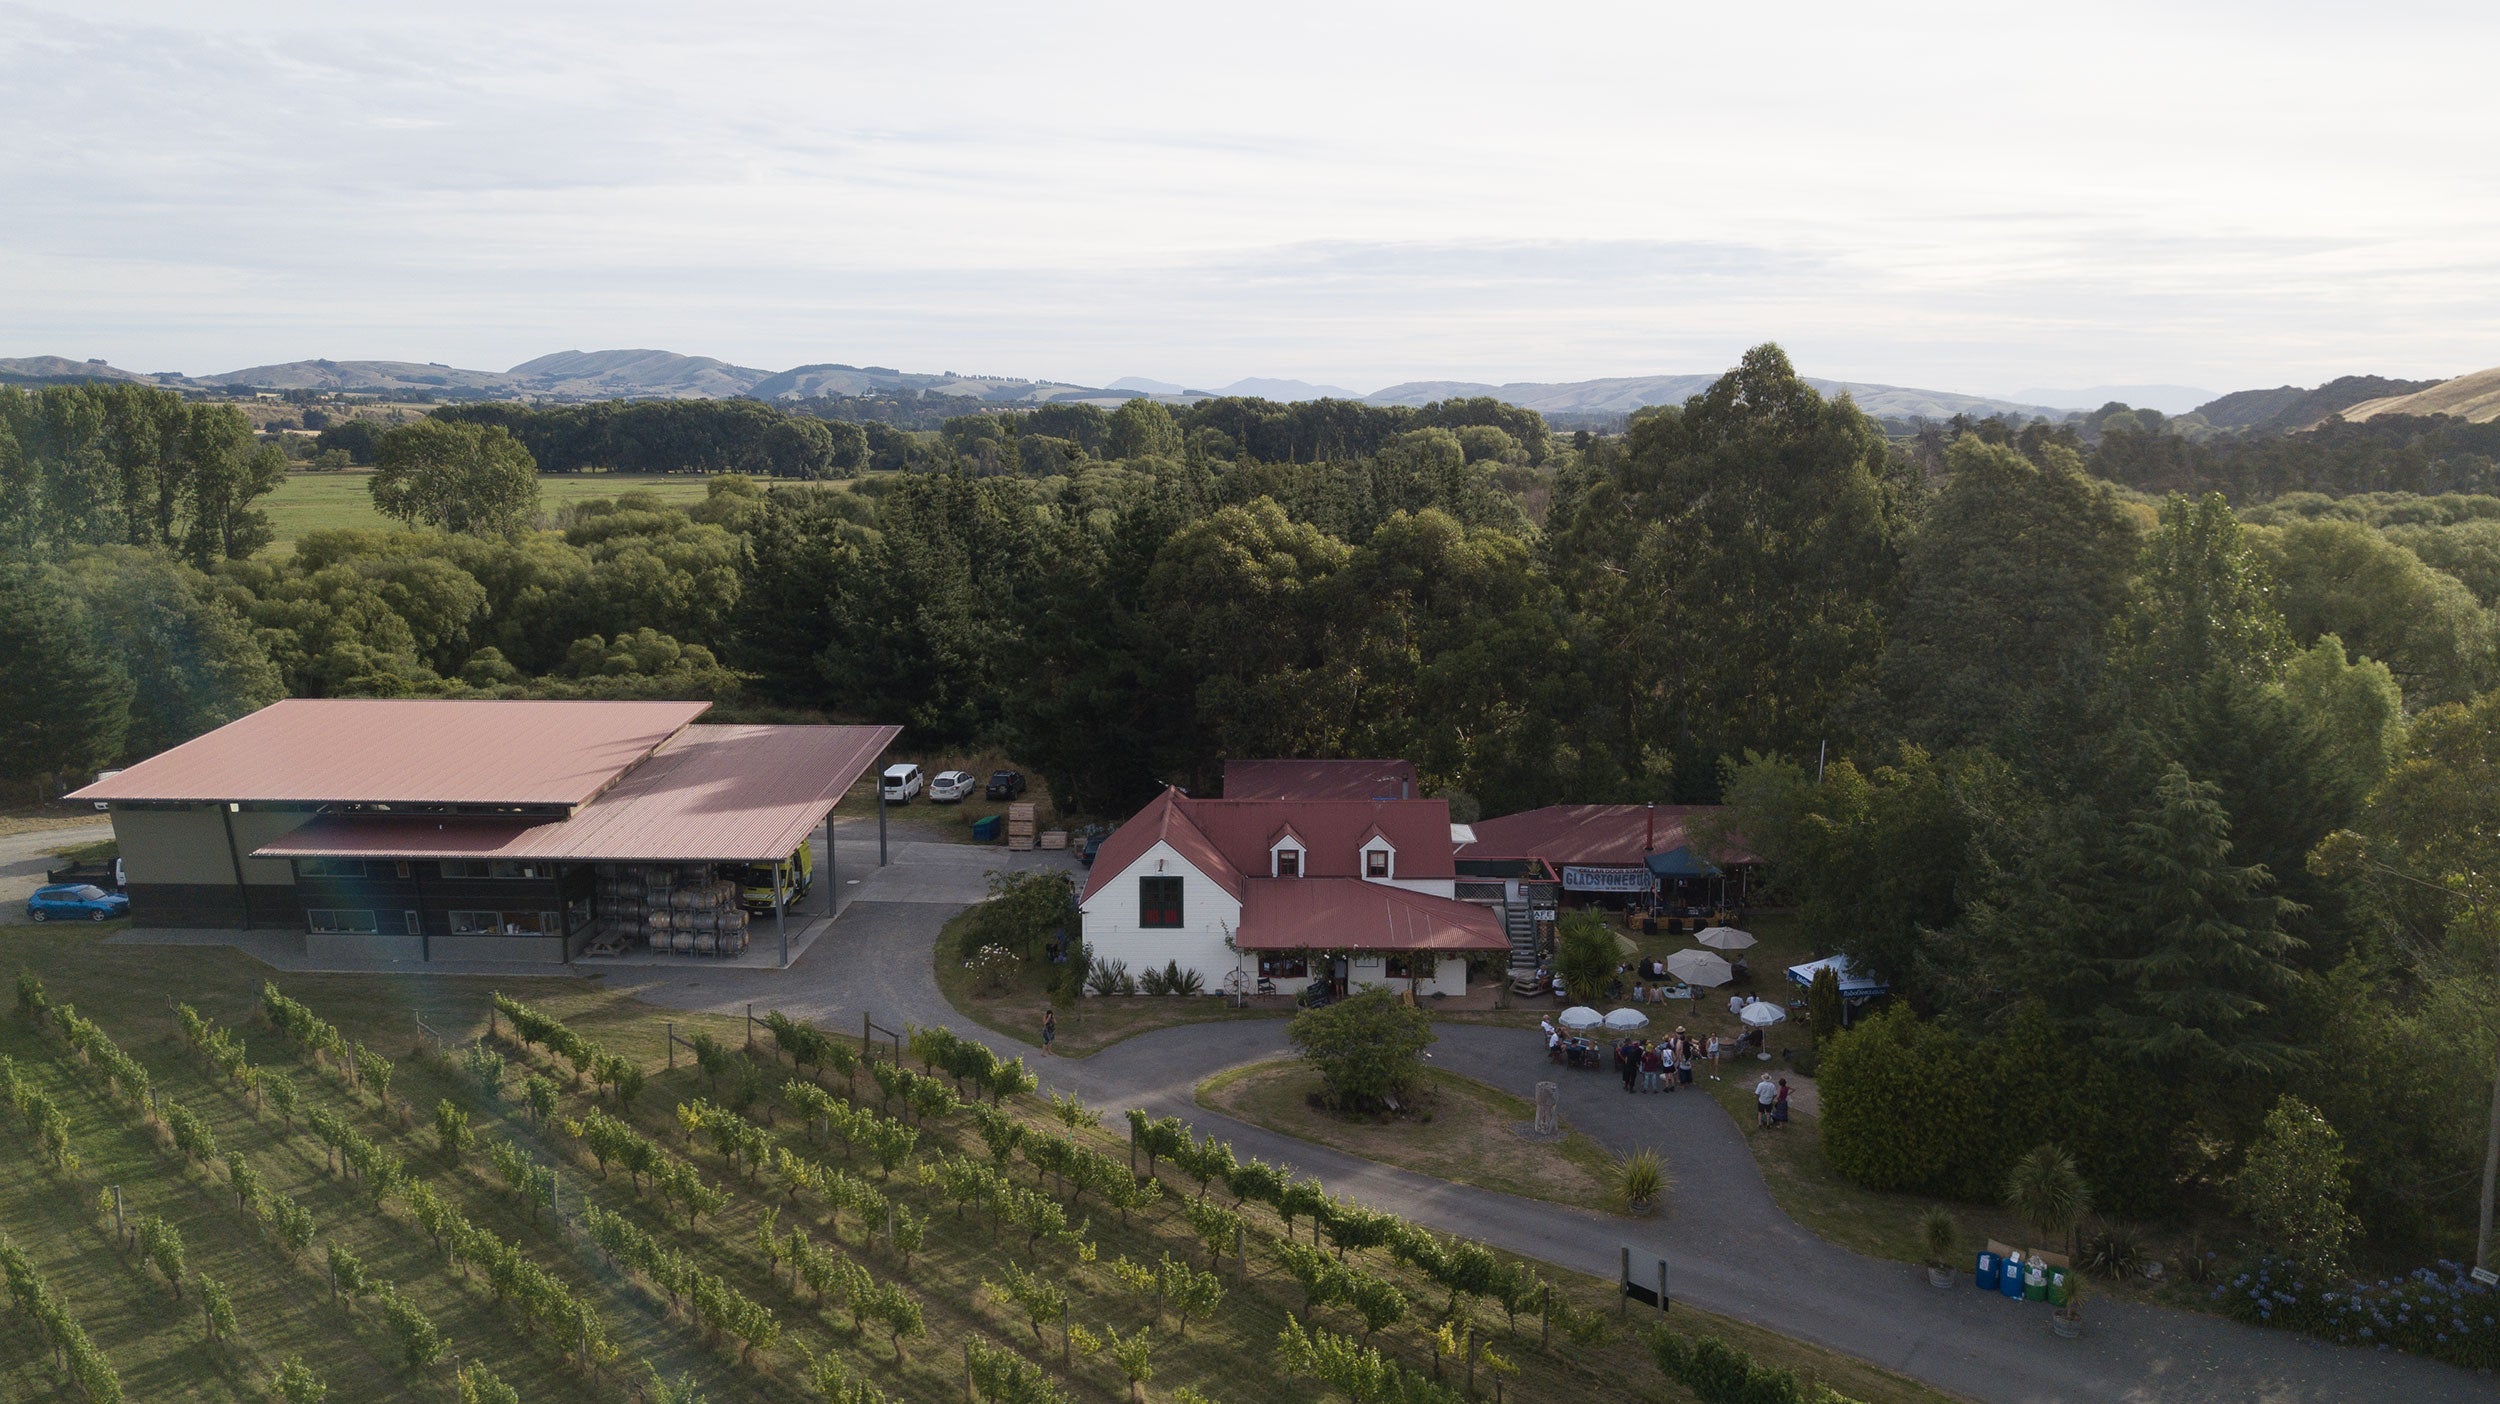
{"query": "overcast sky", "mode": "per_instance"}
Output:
(1976, 197)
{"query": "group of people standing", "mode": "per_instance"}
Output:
(1663, 1065)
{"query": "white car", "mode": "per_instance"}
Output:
(902, 781)
(951, 787)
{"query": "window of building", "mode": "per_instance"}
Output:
(481, 868)
(1159, 901)
(1296, 966)
(504, 924)
(1375, 862)
(1421, 965)
(336, 921)
(330, 867)
(1289, 862)
(416, 924)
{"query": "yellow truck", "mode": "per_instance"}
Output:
(755, 880)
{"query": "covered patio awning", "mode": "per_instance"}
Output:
(1681, 863)
(711, 794)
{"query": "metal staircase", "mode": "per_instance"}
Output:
(1523, 935)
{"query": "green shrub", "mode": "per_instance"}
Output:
(1906, 1107)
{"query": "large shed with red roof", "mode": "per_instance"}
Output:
(1276, 894)
(433, 829)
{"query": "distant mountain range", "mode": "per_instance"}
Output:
(650, 374)
(1624, 394)
(2169, 399)
(572, 375)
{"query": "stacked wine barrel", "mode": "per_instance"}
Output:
(685, 908)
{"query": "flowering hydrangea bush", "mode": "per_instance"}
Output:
(2437, 1311)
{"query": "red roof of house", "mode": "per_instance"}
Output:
(1598, 835)
(431, 751)
(1298, 914)
(711, 794)
(1229, 839)
(1319, 779)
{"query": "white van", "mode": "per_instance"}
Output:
(902, 781)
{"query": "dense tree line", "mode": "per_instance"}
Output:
(2141, 823)
(99, 465)
(675, 436)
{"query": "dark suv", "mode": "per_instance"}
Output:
(1005, 784)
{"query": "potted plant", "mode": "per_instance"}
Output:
(1941, 1237)
(1640, 1179)
(2067, 1320)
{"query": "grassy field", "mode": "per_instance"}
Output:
(1464, 1131)
(157, 1342)
(323, 501)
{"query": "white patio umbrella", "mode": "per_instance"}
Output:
(1627, 1019)
(1699, 968)
(1579, 1016)
(1762, 1014)
(1724, 938)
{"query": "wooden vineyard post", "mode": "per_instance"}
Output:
(751, 1027)
(671, 1026)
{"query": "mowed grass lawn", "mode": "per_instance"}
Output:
(1460, 1130)
(328, 500)
(157, 1343)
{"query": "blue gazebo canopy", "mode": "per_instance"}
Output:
(1680, 863)
(1853, 984)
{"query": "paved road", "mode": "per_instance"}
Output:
(1730, 1248)
(24, 858)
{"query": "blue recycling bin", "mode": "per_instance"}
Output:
(2010, 1277)
(1986, 1273)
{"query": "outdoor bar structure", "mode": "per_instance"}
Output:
(438, 829)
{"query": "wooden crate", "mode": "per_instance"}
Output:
(1055, 838)
(1019, 843)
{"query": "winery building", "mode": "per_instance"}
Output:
(437, 829)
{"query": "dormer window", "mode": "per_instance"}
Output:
(1284, 855)
(1376, 863)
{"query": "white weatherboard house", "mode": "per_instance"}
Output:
(1356, 892)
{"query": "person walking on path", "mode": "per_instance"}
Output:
(1714, 1057)
(1050, 1028)
(1627, 1062)
(1765, 1096)
(1779, 1106)
(1652, 1060)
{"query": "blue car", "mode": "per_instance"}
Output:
(75, 901)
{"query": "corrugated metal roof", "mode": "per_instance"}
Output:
(1597, 835)
(711, 794)
(1228, 839)
(332, 750)
(1319, 914)
(1319, 780)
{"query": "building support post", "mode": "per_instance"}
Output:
(234, 851)
(881, 821)
(781, 907)
(833, 871)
